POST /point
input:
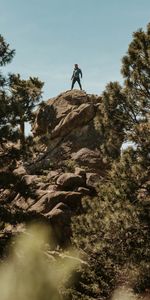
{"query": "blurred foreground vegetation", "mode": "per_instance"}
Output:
(34, 270)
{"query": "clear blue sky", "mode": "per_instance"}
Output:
(51, 35)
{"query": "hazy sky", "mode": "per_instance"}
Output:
(51, 35)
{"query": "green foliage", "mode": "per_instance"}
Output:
(112, 120)
(25, 94)
(136, 71)
(113, 234)
(114, 231)
(17, 98)
(70, 165)
(123, 109)
(6, 55)
(34, 271)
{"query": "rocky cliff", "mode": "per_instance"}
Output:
(67, 166)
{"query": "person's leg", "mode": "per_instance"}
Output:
(78, 80)
(73, 82)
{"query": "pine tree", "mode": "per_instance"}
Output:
(25, 94)
(6, 56)
(113, 233)
(112, 120)
(136, 71)
(17, 98)
(123, 109)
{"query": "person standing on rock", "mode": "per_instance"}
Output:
(76, 76)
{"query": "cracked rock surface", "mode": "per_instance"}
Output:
(67, 167)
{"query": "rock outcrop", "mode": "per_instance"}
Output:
(53, 183)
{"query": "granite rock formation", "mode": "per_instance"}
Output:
(67, 166)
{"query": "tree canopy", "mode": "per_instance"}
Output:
(18, 98)
(113, 232)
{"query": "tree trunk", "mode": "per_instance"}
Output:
(22, 133)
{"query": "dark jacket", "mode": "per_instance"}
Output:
(76, 73)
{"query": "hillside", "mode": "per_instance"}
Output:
(74, 178)
(73, 175)
(67, 166)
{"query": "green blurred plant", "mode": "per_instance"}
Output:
(33, 270)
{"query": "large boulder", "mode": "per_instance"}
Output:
(21, 202)
(69, 181)
(76, 118)
(48, 201)
(65, 166)
(59, 210)
(81, 172)
(69, 128)
(89, 158)
(45, 119)
(20, 171)
(51, 112)
(92, 179)
(30, 179)
(71, 106)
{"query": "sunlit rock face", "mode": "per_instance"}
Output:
(65, 168)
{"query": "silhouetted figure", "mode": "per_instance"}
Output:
(76, 76)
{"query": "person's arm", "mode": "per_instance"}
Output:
(81, 73)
